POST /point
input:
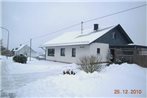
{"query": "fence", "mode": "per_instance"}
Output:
(140, 60)
(132, 56)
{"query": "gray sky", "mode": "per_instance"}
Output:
(27, 20)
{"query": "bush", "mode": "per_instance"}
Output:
(20, 58)
(118, 61)
(121, 60)
(109, 56)
(6, 52)
(90, 63)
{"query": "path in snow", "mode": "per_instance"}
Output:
(15, 81)
(13, 78)
(20, 80)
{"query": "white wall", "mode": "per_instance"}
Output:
(26, 51)
(81, 50)
(104, 48)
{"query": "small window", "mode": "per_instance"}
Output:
(62, 52)
(114, 35)
(98, 50)
(51, 52)
(127, 52)
(73, 52)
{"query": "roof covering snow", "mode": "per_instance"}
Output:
(76, 38)
(20, 47)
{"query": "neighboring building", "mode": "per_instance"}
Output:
(69, 47)
(128, 52)
(25, 50)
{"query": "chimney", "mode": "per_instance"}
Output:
(96, 27)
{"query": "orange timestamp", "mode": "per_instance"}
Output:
(126, 91)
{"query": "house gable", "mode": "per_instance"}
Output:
(25, 50)
(116, 36)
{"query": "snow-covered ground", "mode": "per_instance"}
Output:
(43, 79)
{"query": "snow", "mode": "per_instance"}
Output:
(76, 38)
(31, 67)
(43, 79)
(20, 47)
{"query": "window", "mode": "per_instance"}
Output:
(114, 35)
(128, 52)
(73, 52)
(98, 50)
(62, 52)
(51, 52)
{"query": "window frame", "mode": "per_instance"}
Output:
(73, 54)
(98, 50)
(51, 52)
(62, 52)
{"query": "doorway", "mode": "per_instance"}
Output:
(112, 51)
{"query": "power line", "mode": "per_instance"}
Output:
(54, 32)
(25, 42)
(115, 13)
(74, 25)
(71, 26)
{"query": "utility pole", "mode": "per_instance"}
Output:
(82, 27)
(7, 37)
(30, 48)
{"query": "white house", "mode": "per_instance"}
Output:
(25, 50)
(71, 46)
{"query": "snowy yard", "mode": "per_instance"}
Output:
(40, 79)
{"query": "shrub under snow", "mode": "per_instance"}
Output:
(90, 63)
(20, 58)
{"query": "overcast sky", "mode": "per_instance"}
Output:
(27, 20)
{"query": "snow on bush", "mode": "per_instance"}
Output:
(20, 58)
(90, 63)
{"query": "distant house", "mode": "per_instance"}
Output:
(69, 47)
(25, 50)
